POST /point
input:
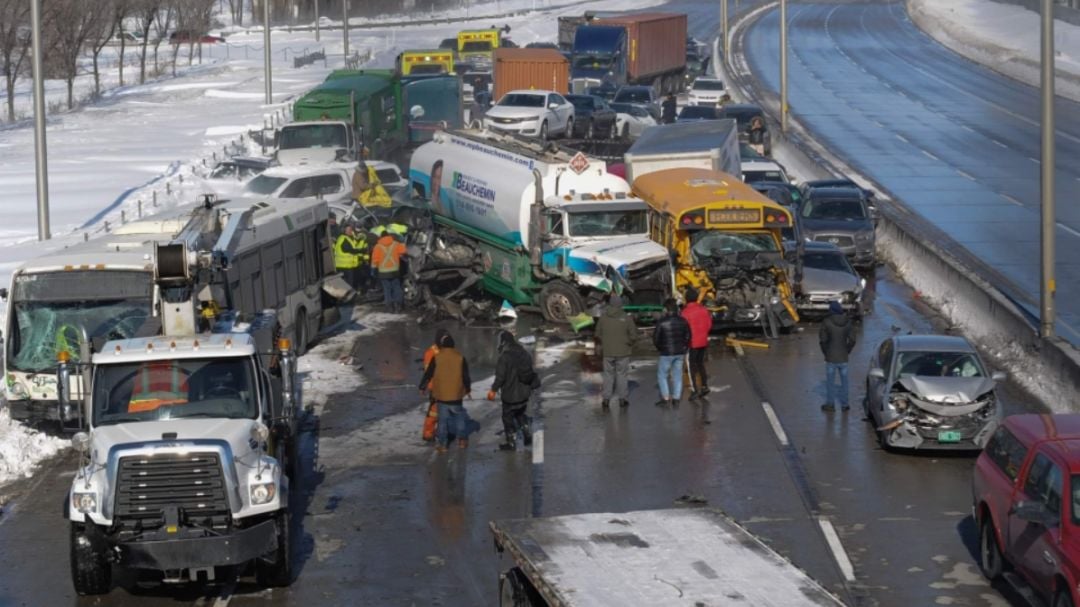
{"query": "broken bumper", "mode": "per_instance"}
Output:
(199, 552)
(966, 438)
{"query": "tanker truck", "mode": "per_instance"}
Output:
(536, 225)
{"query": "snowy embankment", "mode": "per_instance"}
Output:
(1003, 37)
(21, 449)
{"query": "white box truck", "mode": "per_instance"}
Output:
(702, 144)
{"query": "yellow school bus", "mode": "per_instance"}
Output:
(725, 239)
(422, 62)
(476, 47)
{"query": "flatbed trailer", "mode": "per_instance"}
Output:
(675, 557)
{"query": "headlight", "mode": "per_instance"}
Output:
(262, 493)
(18, 391)
(84, 502)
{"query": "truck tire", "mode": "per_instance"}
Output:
(559, 302)
(590, 131)
(515, 590)
(278, 572)
(91, 572)
(300, 330)
(990, 559)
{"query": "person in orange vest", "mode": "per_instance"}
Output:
(447, 377)
(386, 264)
(432, 417)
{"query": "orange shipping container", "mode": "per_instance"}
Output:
(529, 68)
(656, 42)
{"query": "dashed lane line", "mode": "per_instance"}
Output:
(1012, 200)
(964, 175)
(538, 447)
(837, 548)
(774, 421)
(931, 156)
(901, 138)
(1068, 229)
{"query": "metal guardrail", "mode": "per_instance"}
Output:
(309, 58)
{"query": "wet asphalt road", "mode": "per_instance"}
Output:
(955, 141)
(389, 522)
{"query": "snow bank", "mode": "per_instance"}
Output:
(22, 449)
(1003, 37)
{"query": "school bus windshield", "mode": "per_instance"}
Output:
(714, 244)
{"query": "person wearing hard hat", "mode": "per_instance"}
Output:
(350, 252)
(386, 264)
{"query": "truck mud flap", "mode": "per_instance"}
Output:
(238, 547)
(336, 287)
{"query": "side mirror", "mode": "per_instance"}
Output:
(3, 293)
(1032, 512)
(81, 442)
(876, 373)
(553, 106)
(999, 376)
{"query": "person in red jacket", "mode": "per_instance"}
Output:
(700, 321)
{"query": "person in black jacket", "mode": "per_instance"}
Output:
(515, 380)
(672, 340)
(837, 339)
(668, 109)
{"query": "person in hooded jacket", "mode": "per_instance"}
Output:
(515, 380)
(837, 339)
(615, 334)
(672, 339)
(700, 321)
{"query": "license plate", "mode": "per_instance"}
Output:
(949, 436)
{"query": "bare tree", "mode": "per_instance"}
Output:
(120, 9)
(14, 45)
(99, 37)
(161, 30)
(70, 24)
(144, 12)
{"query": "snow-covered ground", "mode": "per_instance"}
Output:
(1004, 37)
(141, 143)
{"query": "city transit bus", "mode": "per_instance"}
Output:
(725, 240)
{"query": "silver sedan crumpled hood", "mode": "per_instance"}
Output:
(948, 395)
(817, 280)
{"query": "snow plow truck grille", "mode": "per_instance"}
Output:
(191, 482)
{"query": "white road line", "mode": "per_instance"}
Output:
(964, 175)
(902, 138)
(1035, 160)
(1012, 200)
(222, 600)
(967, 128)
(837, 548)
(930, 156)
(1068, 229)
(1005, 146)
(538, 447)
(774, 421)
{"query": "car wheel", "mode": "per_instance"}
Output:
(625, 134)
(611, 131)
(1063, 599)
(543, 131)
(990, 559)
(569, 132)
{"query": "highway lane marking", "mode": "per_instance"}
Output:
(930, 156)
(1012, 200)
(837, 548)
(1005, 146)
(1033, 159)
(774, 421)
(967, 128)
(900, 137)
(964, 175)
(538, 447)
(1068, 229)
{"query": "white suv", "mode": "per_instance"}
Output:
(533, 113)
(706, 91)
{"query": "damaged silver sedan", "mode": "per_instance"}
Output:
(931, 392)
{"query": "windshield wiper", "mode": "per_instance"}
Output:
(123, 420)
(203, 414)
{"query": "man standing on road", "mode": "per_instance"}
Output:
(615, 336)
(349, 254)
(447, 376)
(700, 321)
(672, 340)
(386, 264)
(837, 339)
(668, 109)
(515, 380)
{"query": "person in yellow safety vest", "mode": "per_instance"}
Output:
(367, 188)
(350, 253)
(386, 264)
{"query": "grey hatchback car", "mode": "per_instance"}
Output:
(841, 216)
(931, 392)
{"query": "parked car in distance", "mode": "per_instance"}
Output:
(228, 176)
(632, 119)
(763, 170)
(697, 65)
(746, 115)
(189, 37)
(691, 113)
(822, 274)
(605, 91)
(641, 95)
(706, 91)
(792, 196)
(841, 182)
(1027, 527)
(128, 38)
(593, 117)
(931, 392)
(334, 184)
(841, 216)
(538, 114)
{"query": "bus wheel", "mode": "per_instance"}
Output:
(300, 331)
(559, 302)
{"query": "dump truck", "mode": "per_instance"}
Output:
(538, 226)
(647, 48)
(185, 457)
(543, 69)
(373, 109)
(676, 557)
(703, 144)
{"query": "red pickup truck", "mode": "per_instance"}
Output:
(1029, 463)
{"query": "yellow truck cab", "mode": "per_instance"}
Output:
(476, 47)
(725, 239)
(426, 62)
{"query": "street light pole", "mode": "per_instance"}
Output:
(723, 28)
(41, 166)
(1046, 315)
(267, 53)
(345, 26)
(783, 67)
(316, 20)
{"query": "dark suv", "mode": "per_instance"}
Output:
(841, 216)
